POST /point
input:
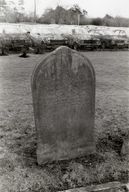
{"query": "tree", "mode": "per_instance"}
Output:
(77, 13)
(12, 12)
(3, 7)
(97, 21)
(2, 4)
(47, 17)
(60, 15)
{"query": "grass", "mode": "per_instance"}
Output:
(19, 171)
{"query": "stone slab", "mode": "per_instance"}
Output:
(63, 90)
(107, 187)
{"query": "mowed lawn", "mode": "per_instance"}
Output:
(19, 171)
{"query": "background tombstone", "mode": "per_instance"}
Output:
(63, 90)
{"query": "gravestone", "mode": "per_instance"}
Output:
(63, 90)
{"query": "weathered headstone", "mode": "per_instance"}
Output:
(63, 89)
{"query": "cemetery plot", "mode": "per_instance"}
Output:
(18, 165)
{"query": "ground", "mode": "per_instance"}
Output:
(19, 171)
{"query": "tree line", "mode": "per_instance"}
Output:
(11, 13)
(75, 16)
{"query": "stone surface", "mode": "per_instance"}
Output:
(63, 90)
(125, 148)
(107, 187)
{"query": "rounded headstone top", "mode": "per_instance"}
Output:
(73, 57)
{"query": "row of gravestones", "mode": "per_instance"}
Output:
(63, 90)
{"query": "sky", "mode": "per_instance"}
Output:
(95, 8)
